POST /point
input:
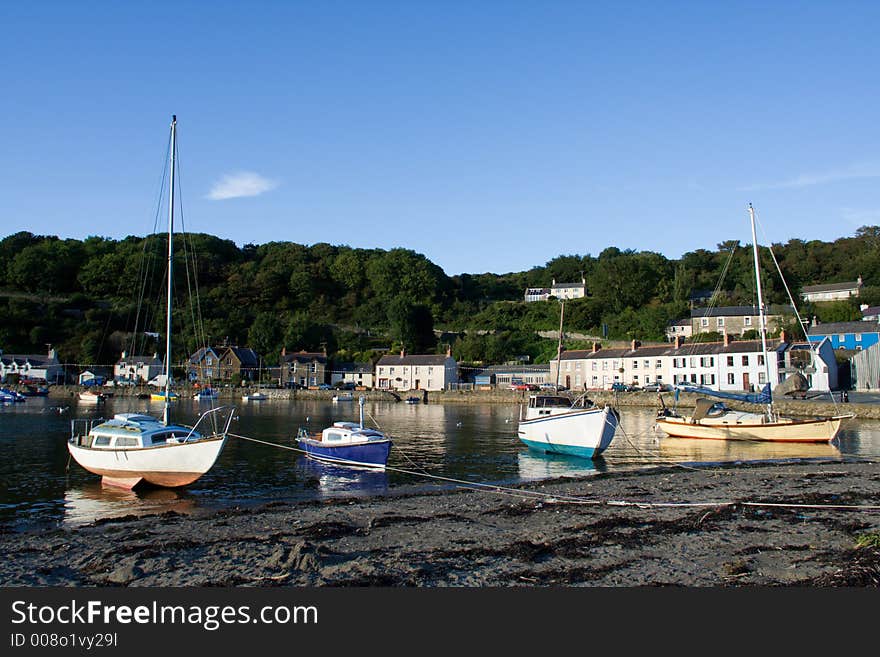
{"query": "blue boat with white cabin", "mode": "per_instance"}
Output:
(347, 443)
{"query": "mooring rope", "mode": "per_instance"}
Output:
(553, 498)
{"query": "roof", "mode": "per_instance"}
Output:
(690, 349)
(737, 311)
(246, 356)
(352, 367)
(304, 357)
(201, 353)
(415, 359)
(680, 322)
(870, 312)
(559, 285)
(845, 327)
(38, 360)
(514, 369)
(831, 287)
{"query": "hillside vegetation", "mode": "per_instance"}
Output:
(95, 297)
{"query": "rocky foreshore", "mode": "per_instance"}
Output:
(804, 523)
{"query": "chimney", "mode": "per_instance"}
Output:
(784, 336)
(124, 355)
(678, 342)
(635, 344)
(402, 352)
(596, 347)
(449, 351)
(726, 339)
(283, 351)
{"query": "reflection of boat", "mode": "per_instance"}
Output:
(560, 425)
(91, 397)
(86, 504)
(31, 391)
(711, 420)
(534, 466)
(702, 451)
(343, 397)
(413, 400)
(344, 480)
(347, 443)
(205, 394)
(131, 448)
(8, 396)
(162, 394)
(255, 396)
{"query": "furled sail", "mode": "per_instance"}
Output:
(763, 397)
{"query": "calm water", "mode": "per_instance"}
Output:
(469, 442)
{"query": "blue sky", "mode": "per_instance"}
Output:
(490, 136)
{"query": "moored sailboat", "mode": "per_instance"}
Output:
(712, 420)
(132, 448)
(560, 425)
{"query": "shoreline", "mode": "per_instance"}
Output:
(821, 406)
(610, 529)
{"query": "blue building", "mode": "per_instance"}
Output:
(854, 336)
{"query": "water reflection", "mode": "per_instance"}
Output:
(535, 466)
(39, 484)
(702, 451)
(87, 503)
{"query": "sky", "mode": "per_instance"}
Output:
(489, 135)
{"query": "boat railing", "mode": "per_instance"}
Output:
(213, 413)
(81, 426)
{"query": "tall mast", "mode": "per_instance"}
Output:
(763, 320)
(170, 273)
(559, 344)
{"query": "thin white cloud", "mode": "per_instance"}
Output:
(242, 183)
(861, 217)
(809, 179)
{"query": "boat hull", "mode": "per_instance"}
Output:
(372, 454)
(793, 431)
(584, 433)
(170, 466)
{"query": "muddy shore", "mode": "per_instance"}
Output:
(557, 533)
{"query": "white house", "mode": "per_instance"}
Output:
(359, 374)
(832, 291)
(569, 290)
(32, 366)
(732, 366)
(137, 369)
(416, 372)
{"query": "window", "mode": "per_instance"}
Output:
(730, 378)
(101, 441)
(635, 364)
(720, 322)
(745, 360)
(647, 364)
(760, 359)
(126, 441)
(730, 364)
(693, 361)
(762, 378)
(595, 366)
(747, 321)
(858, 337)
(658, 364)
(704, 322)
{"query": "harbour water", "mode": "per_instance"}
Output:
(39, 486)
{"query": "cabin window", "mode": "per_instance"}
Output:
(102, 441)
(333, 437)
(126, 441)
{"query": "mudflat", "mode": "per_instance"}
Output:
(796, 524)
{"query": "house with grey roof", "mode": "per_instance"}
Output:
(131, 368)
(870, 313)
(416, 371)
(358, 374)
(32, 366)
(854, 336)
(730, 365)
(307, 369)
(735, 320)
(832, 291)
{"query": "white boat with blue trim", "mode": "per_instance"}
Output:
(559, 425)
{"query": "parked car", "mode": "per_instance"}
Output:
(656, 387)
(524, 386)
(622, 387)
(325, 386)
(552, 387)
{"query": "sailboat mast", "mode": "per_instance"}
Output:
(763, 319)
(170, 272)
(559, 344)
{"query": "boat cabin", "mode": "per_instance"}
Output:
(344, 433)
(133, 431)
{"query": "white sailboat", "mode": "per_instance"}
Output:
(713, 421)
(132, 448)
(557, 424)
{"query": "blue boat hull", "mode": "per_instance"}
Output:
(373, 454)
